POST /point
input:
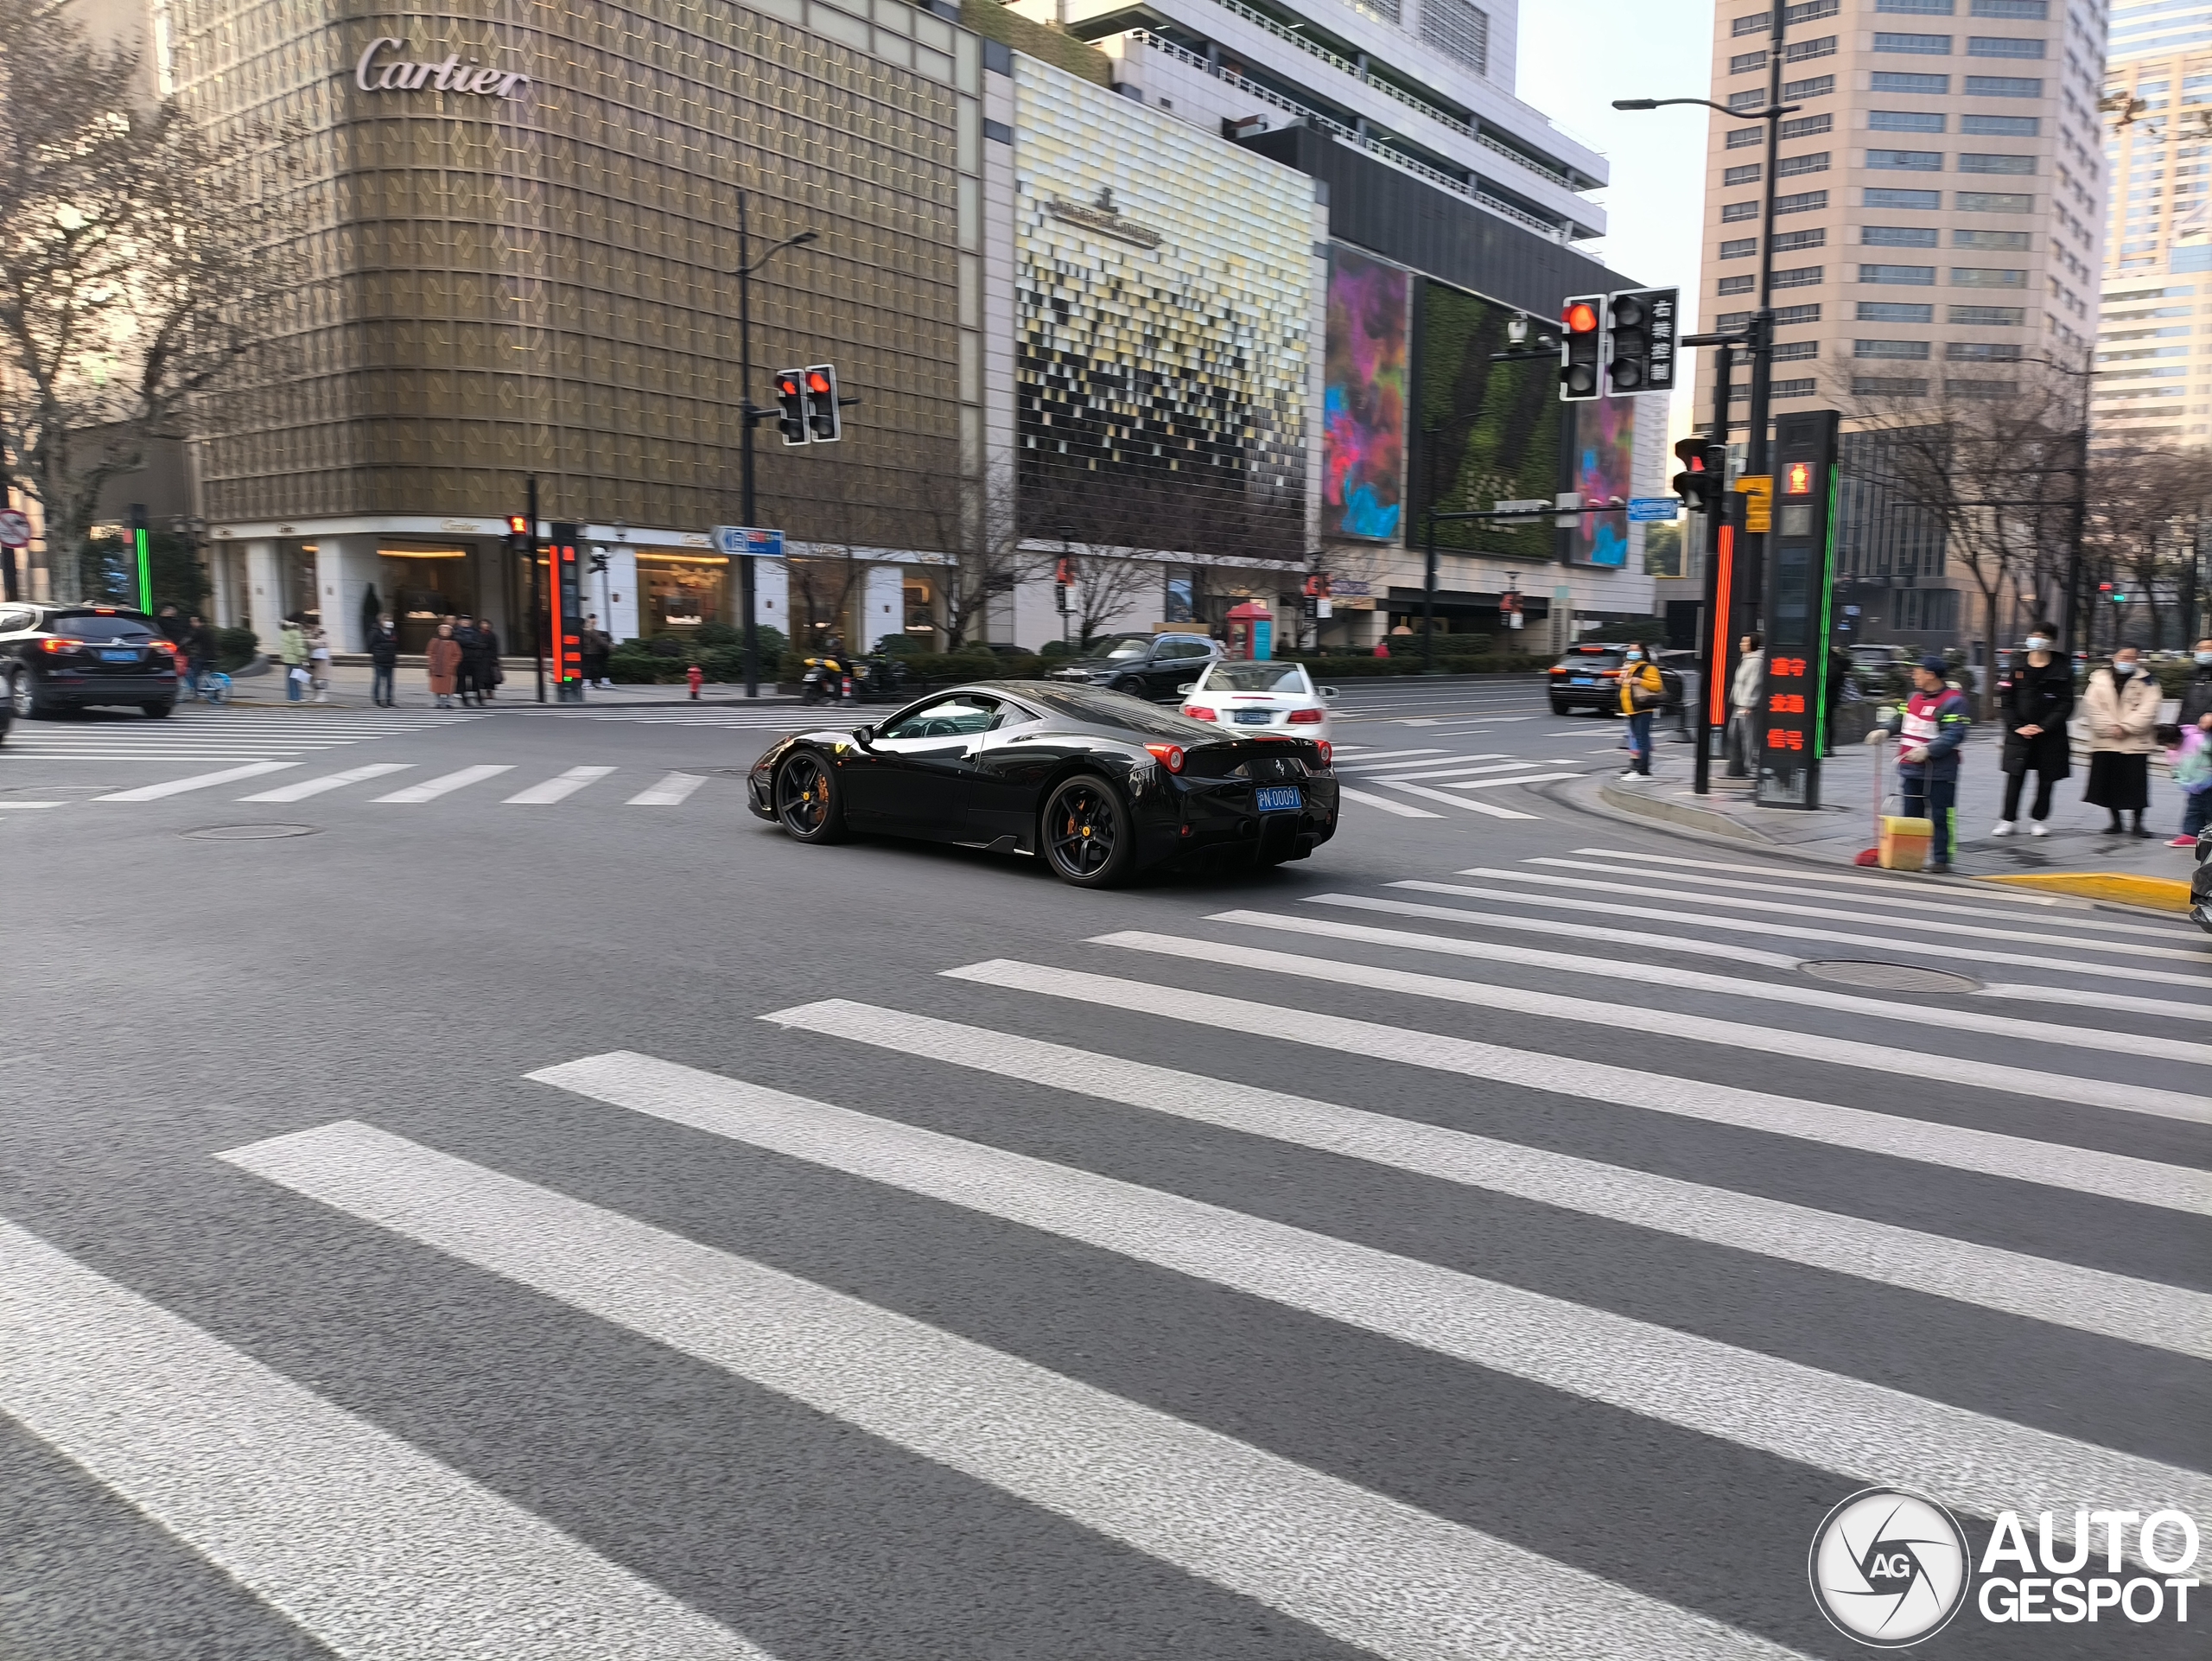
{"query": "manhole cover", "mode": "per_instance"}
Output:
(1888, 977)
(250, 832)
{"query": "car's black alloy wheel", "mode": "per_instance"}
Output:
(23, 697)
(1087, 835)
(808, 802)
(1560, 707)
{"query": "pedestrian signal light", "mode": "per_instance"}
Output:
(1798, 479)
(823, 424)
(1581, 347)
(791, 405)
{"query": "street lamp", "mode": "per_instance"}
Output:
(1760, 339)
(746, 266)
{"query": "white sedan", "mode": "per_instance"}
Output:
(1246, 697)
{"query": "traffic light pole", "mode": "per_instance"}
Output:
(748, 592)
(1713, 623)
(536, 598)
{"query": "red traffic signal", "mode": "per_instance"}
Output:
(1580, 346)
(791, 405)
(1065, 574)
(1581, 318)
(1317, 586)
(823, 424)
(518, 524)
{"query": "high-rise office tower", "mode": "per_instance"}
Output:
(1940, 206)
(2151, 388)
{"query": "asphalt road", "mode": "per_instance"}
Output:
(536, 1210)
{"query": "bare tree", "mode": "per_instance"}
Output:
(1992, 461)
(974, 525)
(140, 258)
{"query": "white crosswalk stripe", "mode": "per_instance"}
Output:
(1471, 805)
(307, 787)
(216, 735)
(1399, 809)
(1220, 1175)
(673, 790)
(430, 789)
(374, 1549)
(558, 788)
(1365, 1568)
(197, 781)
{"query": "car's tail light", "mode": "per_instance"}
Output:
(57, 648)
(1168, 755)
(1305, 717)
(1328, 750)
(169, 646)
(1200, 712)
(1559, 669)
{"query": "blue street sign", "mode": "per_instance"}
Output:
(1644, 510)
(742, 541)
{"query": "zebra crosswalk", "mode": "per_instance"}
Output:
(1421, 1270)
(219, 735)
(666, 790)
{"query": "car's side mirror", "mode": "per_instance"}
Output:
(1328, 695)
(1186, 689)
(863, 735)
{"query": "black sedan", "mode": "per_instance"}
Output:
(1589, 677)
(56, 658)
(1101, 785)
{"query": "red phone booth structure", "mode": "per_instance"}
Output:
(1251, 632)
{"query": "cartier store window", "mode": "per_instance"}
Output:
(680, 592)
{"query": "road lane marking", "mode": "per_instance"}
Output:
(2089, 1299)
(307, 787)
(1693, 980)
(1523, 779)
(198, 781)
(1803, 1414)
(1455, 771)
(560, 787)
(1403, 810)
(5, 806)
(2044, 940)
(2034, 1083)
(1461, 802)
(1862, 882)
(670, 791)
(1875, 894)
(372, 1547)
(2041, 959)
(430, 789)
(1365, 1568)
(1926, 1141)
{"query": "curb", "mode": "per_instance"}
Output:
(1702, 819)
(2115, 887)
(1683, 820)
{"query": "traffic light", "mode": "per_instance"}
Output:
(1581, 342)
(141, 556)
(518, 537)
(1317, 586)
(791, 405)
(823, 424)
(1699, 484)
(1640, 341)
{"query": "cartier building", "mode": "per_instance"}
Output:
(519, 231)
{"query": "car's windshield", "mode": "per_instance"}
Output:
(1118, 710)
(1129, 645)
(93, 626)
(1257, 677)
(1587, 661)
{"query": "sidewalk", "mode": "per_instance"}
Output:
(2072, 859)
(350, 683)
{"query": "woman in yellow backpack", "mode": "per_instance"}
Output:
(1642, 693)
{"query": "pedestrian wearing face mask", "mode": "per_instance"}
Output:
(2196, 691)
(1929, 726)
(2036, 697)
(2120, 707)
(1642, 693)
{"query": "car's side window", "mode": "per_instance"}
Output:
(1191, 648)
(14, 622)
(949, 717)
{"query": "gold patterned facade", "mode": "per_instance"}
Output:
(543, 282)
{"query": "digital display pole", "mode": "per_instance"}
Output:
(1792, 718)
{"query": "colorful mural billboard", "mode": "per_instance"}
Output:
(1364, 423)
(1605, 469)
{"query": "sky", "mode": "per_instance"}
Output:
(1574, 61)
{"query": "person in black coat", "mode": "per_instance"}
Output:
(2036, 697)
(472, 654)
(488, 673)
(384, 659)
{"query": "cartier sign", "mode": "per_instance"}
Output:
(374, 74)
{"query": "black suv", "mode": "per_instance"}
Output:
(56, 658)
(1144, 665)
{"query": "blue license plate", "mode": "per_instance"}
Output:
(1277, 799)
(118, 657)
(1252, 718)
(1581, 680)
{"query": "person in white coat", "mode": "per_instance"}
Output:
(2121, 708)
(1744, 693)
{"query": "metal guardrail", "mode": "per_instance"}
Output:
(1337, 128)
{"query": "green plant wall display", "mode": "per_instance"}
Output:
(1495, 427)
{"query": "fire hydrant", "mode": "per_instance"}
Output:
(696, 677)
